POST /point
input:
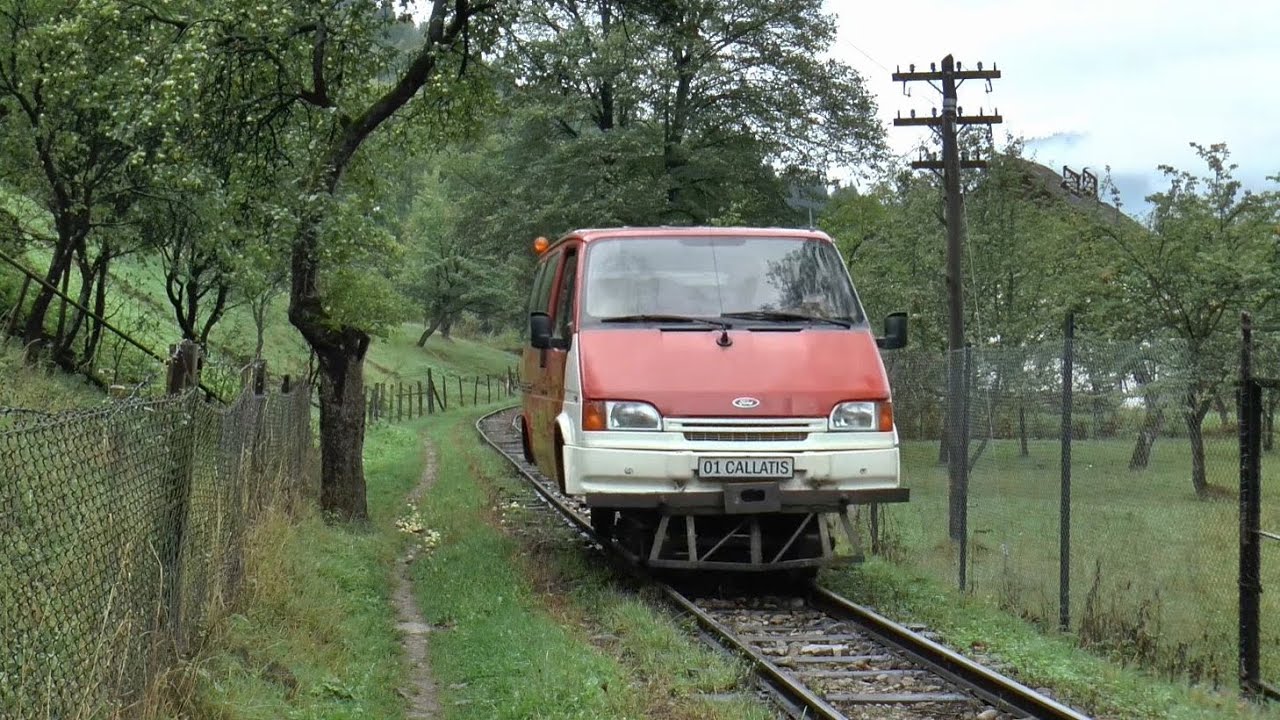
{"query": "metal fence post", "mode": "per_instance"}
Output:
(1250, 516)
(960, 460)
(1064, 503)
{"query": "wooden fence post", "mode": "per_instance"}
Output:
(260, 378)
(461, 397)
(183, 374)
(488, 388)
(431, 393)
(475, 392)
(399, 402)
(419, 398)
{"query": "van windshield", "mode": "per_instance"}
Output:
(707, 277)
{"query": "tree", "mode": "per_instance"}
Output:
(450, 268)
(81, 85)
(677, 110)
(1209, 252)
(310, 89)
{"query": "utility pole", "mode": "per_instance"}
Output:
(951, 76)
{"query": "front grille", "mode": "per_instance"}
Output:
(746, 436)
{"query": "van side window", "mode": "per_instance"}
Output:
(540, 293)
(565, 297)
(546, 280)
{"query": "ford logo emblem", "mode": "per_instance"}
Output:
(745, 403)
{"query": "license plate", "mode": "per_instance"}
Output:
(730, 468)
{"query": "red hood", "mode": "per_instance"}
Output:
(685, 374)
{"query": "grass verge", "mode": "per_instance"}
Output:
(1104, 689)
(317, 638)
(531, 625)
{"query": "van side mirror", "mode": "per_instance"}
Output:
(895, 332)
(540, 330)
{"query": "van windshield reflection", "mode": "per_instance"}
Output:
(769, 280)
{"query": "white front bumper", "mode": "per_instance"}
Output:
(830, 467)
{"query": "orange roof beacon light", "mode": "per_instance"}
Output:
(540, 245)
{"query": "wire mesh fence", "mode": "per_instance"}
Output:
(121, 528)
(1142, 458)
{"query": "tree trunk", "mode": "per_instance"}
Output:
(33, 330)
(100, 309)
(1022, 430)
(446, 328)
(1194, 417)
(428, 332)
(340, 352)
(342, 487)
(1224, 415)
(67, 335)
(260, 328)
(1152, 422)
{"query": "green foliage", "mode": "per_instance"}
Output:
(449, 268)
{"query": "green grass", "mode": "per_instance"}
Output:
(534, 628)
(317, 637)
(22, 386)
(1153, 568)
(1104, 689)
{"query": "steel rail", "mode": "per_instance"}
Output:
(987, 684)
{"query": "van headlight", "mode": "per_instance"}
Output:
(862, 416)
(620, 415)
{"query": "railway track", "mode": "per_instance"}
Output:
(820, 655)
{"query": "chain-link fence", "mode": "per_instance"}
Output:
(121, 528)
(1142, 459)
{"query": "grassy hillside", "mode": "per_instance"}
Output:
(137, 304)
(36, 389)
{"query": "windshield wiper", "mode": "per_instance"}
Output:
(786, 316)
(718, 324)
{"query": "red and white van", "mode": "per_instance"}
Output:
(686, 381)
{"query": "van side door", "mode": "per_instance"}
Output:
(563, 321)
(533, 369)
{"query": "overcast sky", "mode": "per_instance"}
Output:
(1127, 83)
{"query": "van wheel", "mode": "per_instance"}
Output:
(560, 464)
(525, 446)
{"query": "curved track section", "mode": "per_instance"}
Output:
(821, 655)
